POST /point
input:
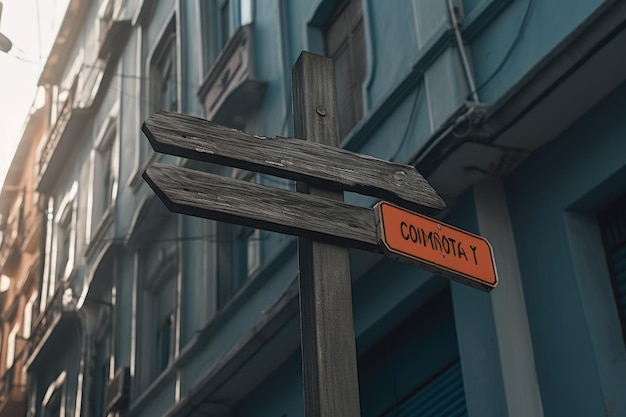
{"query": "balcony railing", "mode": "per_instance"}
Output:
(12, 235)
(13, 383)
(113, 30)
(89, 79)
(46, 148)
(71, 119)
(231, 90)
(53, 311)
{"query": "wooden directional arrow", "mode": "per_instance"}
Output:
(313, 163)
(398, 233)
(211, 196)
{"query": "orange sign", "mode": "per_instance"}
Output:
(436, 246)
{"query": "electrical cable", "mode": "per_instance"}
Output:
(405, 135)
(28, 61)
(509, 53)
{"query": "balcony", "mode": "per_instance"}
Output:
(51, 327)
(231, 91)
(113, 31)
(71, 119)
(13, 385)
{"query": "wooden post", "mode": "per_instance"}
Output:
(329, 364)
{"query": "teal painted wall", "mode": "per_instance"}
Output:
(526, 40)
(571, 370)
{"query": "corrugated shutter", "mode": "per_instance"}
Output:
(613, 227)
(442, 396)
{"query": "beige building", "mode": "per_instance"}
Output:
(20, 237)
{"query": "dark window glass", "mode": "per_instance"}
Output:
(613, 227)
(232, 259)
(64, 245)
(165, 78)
(345, 43)
(164, 341)
(225, 22)
(414, 370)
(107, 174)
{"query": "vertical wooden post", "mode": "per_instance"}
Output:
(328, 348)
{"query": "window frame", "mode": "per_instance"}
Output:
(65, 227)
(348, 44)
(235, 244)
(156, 282)
(104, 159)
(55, 396)
(608, 215)
(30, 310)
(165, 51)
(12, 346)
(215, 35)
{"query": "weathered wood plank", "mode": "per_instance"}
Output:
(314, 163)
(331, 386)
(225, 199)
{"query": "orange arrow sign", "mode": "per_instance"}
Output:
(436, 246)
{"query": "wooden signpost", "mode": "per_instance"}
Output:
(324, 224)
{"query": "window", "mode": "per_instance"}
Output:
(415, 369)
(224, 22)
(162, 300)
(232, 260)
(64, 239)
(613, 228)
(31, 400)
(30, 311)
(159, 312)
(164, 73)
(11, 345)
(220, 19)
(103, 181)
(164, 330)
(107, 189)
(238, 253)
(53, 400)
(344, 40)
(101, 376)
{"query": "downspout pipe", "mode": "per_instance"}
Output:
(469, 76)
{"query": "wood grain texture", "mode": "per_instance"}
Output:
(331, 386)
(314, 163)
(220, 198)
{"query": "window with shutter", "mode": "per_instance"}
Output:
(163, 73)
(613, 228)
(415, 369)
(344, 40)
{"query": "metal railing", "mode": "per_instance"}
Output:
(12, 378)
(45, 320)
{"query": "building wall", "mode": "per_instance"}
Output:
(20, 265)
(568, 281)
(533, 346)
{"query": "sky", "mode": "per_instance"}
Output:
(31, 25)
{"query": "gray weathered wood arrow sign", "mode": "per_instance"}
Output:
(316, 164)
(230, 200)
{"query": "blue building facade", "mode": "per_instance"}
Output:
(512, 109)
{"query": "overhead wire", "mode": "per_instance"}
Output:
(509, 52)
(409, 123)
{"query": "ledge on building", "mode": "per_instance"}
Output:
(230, 91)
